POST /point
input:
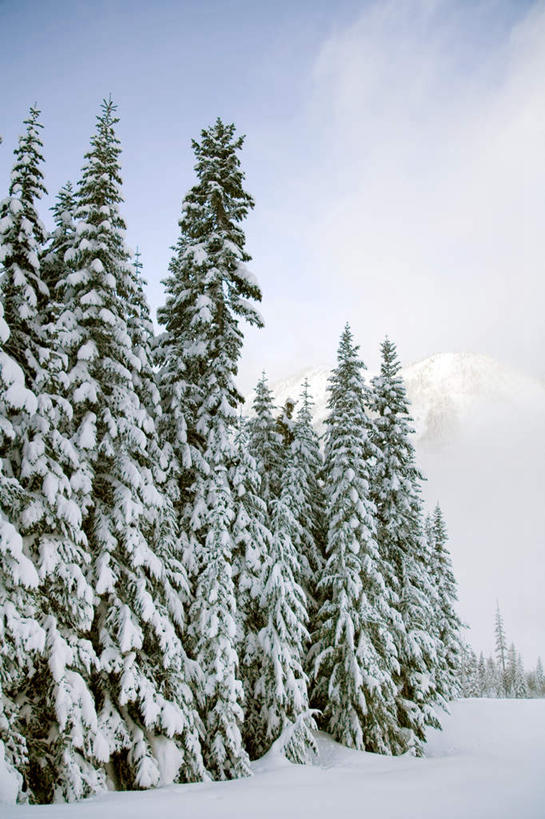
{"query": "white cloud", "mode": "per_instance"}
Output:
(425, 196)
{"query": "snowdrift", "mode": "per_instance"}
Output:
(487, 763)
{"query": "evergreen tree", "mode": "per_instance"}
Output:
(353, 653)
(252, 543)
(59, 249)
(134, 571)
(481, 672)
(285, 423)
(21, 636)
(511, 671)
(65, 746)
(468, 682)
(22, 236)
(282, 686)
(266, 442)
(208, 294)
(409, 586)
(492, 681)
(540, 679)
(447, 622)
(520, 687)
(309, 496)
(501, 651)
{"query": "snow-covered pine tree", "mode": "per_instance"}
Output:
(22, 236)
(252, 543)
(281, 688)
(142, 688)
(22, 638)
(520, 685)
(511, 671)
(266, 443)
(409, 584)
(492, 681)
(60, 243)
(353, 654)
(208, 294)
(501, 651)
(481, 672)
(446, 620)
(285, 423)
(468, 673)
(308, 502)
(540, 678)
(65, 748)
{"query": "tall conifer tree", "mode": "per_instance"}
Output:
(282, 685)
(353, 654)
(209, 292)
(309, 496)
(22, 638)
(252, 543)
(409, 583)
(447, 622)
(22, 236)
(65, 746)
(59, 248)
(137, 619)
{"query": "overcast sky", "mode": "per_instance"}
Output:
(396, 153)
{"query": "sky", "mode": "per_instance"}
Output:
(395, 151)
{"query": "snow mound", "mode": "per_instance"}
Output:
(487, 763)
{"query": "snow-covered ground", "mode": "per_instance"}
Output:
(489, 761)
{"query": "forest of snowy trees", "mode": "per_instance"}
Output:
(180, 585)
(502, 675)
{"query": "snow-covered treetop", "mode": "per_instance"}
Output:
(22, 236)
(26, 177)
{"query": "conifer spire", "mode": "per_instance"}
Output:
(353, 655)
(138, 620)
(409, 580)
(22, 236)
(208, 294)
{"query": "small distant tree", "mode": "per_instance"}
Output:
(469, 683)
(511, 671)
(501, 651)
(481, 673)
(492, 678)
(540, 679)
(520, 686)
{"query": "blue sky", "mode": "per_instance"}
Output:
(393, 149)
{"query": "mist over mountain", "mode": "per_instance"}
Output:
(480, 441)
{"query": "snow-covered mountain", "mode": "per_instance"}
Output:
(480, 440)
(444, 390)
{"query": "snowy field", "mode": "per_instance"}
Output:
(489, 761)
